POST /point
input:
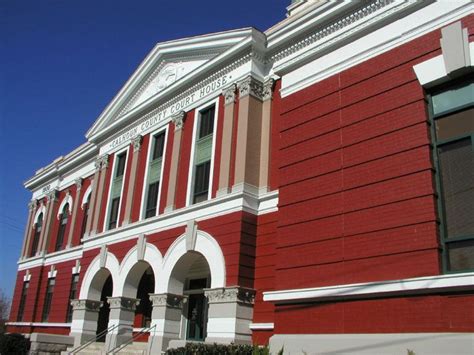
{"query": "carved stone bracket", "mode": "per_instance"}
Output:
(137, 143)
(78, 183)
(125, 303)
(268, 89)
(32, 205)
(230, 295)
(86, 305)
(251, 86)
(168, 300)
(53, 196)
(229, 94)
(104, 161)
(178, 119)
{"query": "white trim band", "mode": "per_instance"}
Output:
(261, 326)
(38, 324)
(424, 284)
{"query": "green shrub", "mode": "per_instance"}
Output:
(218, 349)
(14, 344)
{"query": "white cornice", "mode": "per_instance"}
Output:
(63, 165)
(38, 324)
(261, 326)
(418, 285)
(51, 259)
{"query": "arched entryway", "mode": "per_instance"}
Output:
(139, 284)
(189, 277)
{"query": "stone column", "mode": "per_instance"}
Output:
(178, 121)
(226, 151)
(230, 312)
(46, 232)
(84, 320)
(104, 163)
(265, 135)
(28, 229)
(166, 319)
(137, 143)
(122, 313)
(247, 156)
(95, 181)
(74, 212)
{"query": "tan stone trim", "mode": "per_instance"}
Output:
(46, 232)
(265, 135)
(92, 202)
(137, 141)
(175, 155)
(74, 212)
(226, 144)
(247, 158)
(27, 236)
(100, 192)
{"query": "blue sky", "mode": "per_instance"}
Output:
(62, 61)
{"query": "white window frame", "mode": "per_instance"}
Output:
(107, 210)
(197, 111)
(147, 166)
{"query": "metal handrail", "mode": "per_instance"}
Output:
(93, 340)
(121, 346)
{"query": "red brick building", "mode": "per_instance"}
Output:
(310, 187)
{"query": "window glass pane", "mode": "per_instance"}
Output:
(206, 125)
(461, 255)
(457, 181)
(21, 307)
(152, 199)
(453, 98)
(452, 126)
(120, 165)
(201, 182)
(48, 300)
(158, 146)
(114, 213)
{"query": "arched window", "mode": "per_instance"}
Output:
(62, 227)
(36, 236)
(86, 216)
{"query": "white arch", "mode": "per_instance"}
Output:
(152, 256)
(207, 246)
(86, 196)
(40, 210)
(111, 264)
(66, 199)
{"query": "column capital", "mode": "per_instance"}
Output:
(231, 294)
(168, 299)
(251, 86)
(229, 94)
(137, 143)
(178, 119)
(32, 205)
(86, 305)
(125, 303)
(78, 183)
(53, 195)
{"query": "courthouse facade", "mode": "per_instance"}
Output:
(310, 187)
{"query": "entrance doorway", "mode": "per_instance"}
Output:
(197, 309)
(104, 311)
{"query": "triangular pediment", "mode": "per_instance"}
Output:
(167, 63)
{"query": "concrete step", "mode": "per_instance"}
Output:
(136, 348)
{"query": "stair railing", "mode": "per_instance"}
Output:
(128, 342)
(93, 340)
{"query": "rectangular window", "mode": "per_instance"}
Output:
(36, 236)
(48, 299)
(154, 174)
(453, 132)
(21, 307)
(72, 296)
(203, 155)
(114, 213)
(61, 230)
(116, 190)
